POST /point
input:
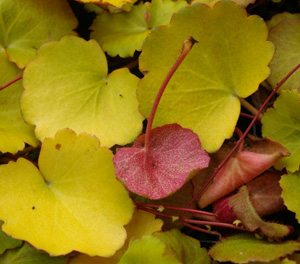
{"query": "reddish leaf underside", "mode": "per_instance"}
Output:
(244, 167)
(174, 152)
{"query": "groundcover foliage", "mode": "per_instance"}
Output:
(122, 131)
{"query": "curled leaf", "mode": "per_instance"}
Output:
(244, 210)
(242, 168)
(174, 152)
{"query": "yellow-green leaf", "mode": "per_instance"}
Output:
(229, 62)
(124, 33)
(286, 38)
(116, 3)
(14, 132)
(65, 88)
(290, 185)
(73, 202)
(141, 224)
(25, 25)
(243, 248)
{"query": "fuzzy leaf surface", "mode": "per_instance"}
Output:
(68, 89)
(203, 93)
(174, 152)
(286, 39)
(14, 132)
(243, 248)
(290, 185)
(242, 168)
(26, 25)
(124, 33)
(7, 242)
(141, 224)
(244, 210)
(73, 202)
(282, 123)
(28, 255)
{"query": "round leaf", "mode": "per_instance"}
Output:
(65, 88)
(173, 153)
(290, 185)
(229, 61)
(74, 201)
(282, 123)
(123, 33)
(286, 38)
(243, 248)
(14, 132)
(25, 25)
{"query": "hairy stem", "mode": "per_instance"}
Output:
(187, 46)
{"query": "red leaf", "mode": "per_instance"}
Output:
(244, 167)
(173, 153)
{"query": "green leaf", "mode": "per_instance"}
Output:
(276, 19)
(147, 250)
(14, 132)
(7, 242)
(290, 185)
(141, 224)
(286, 38)
(26, 25)
(27, 255)
(282, 123)
(225, 64)
(185, 248)
(165, 247)
(243, 248)
(123, 33)
(73, 202)
(65, 88)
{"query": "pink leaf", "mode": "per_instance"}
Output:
(245, 166)
(174, 152)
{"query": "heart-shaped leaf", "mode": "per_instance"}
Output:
(75, 190)
(224, 65)
(14, 132)
(174, 152)
(26, 25)
(65, 88)
(123, 33)
(245, 166)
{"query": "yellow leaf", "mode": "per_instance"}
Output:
(74, 201)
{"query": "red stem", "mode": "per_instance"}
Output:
(247, 116)
(187, 46)
(197, 195)
(11, 82)
(193, 211)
